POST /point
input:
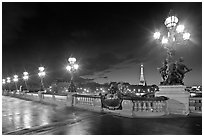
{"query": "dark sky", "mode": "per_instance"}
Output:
(107, 39)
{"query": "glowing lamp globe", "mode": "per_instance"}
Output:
(41, 68)
(68, 68)
(25, 73)
(180, 28)
(15, 79)
(72, 60)
(164, 40)
(25, 77)
(8, 79)
(171, 21)
(76, 66)
(157, 35)
(186, 36)
(3, 81)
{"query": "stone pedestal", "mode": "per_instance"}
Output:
(70, 100)
(178, 102)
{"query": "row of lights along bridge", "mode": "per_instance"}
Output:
(72, 67)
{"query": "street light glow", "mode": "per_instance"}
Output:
(8, 79)
(76, 66)
(41, 68)
(25, 73)
(41, 74)
(15, 79)
(3, 81)
(171, 21)
(164, 40)
(68, 68)
(25, 77)
(157, 35)
(186, 36)
(180, 28)
(72, 60)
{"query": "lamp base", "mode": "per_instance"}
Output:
(178, 102)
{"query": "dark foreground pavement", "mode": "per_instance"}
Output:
(26, 117)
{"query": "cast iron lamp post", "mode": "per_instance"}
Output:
(3, 84)
(25, 78)
(15, 79)
(41, 74)
(72, 67)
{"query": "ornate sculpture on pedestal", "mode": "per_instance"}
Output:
(173, 73)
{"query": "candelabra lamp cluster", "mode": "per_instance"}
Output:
(172, 71)
(25, 78)
(72, 67)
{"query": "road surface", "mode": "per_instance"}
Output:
(27, 117)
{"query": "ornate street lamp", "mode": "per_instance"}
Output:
(25, 78)
(15, 79)
(176, 34)
(41, 74)
(72, 67)
(172, 72)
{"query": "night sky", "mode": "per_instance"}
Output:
(107, 39)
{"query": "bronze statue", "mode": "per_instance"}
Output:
(172, 73)
(163, 70)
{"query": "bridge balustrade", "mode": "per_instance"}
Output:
(195, 104)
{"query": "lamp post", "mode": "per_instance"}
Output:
(3, 84)
(8, 80)
(15, 79)
(25, 78)
(172, 72)
(41, 74)
(72, 67)
(176, 34)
